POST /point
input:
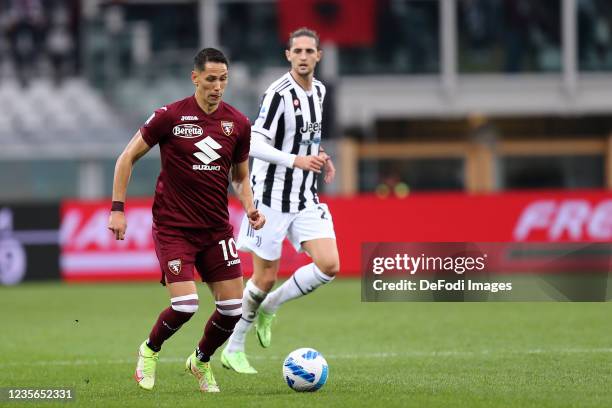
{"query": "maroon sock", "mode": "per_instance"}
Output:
(168, 322)
(218, 329)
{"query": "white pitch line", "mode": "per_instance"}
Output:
(442, 353)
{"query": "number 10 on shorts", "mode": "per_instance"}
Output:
(229, 245)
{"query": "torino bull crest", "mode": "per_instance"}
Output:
(175, 266)
(228, 127)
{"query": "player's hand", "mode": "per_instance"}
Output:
(330, 171)
(117, 224)
(256, 219)
(309, 163)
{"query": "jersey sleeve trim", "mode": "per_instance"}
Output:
(146, 136)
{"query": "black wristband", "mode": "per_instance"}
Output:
(118, 206)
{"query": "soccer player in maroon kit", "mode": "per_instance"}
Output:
(201, 139)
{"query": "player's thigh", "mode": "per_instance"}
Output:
(267, 242)
(181, 288)
(218, 260)
(265, 272)
(175, 253)
(324, 254)
(312, 223)
(226, 289)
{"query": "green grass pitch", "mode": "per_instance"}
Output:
(380, 354)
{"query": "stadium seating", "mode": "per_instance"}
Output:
(45, 114)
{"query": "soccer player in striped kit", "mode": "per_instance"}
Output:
(202, 141)
(286, 146)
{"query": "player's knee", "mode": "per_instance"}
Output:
(330, 267)
(186, 304)
(265, 279)
(266, 283)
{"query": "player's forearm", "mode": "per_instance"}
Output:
(243, 191)
(263, 151)
(123, 168)
(123, 171)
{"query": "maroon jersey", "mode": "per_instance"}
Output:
(197, 152)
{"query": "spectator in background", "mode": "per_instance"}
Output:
(479, 27)
(3, 28)
(532, 29)
(516, 36)
(25, 25)
(60, 44)
(594, 34)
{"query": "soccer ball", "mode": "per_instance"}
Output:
(305, 369)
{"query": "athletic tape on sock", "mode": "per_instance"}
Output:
(320, 275)
(230, 307)
(185, 304)
(256, 294)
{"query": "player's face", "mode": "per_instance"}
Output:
(303, 55)
(211, 82)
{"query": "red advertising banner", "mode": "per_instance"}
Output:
(555, 216)
(90, 252)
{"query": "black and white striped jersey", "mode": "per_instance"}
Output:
(290, 120)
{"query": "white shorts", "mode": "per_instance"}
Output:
(312, 222)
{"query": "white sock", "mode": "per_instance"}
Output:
(303, 281)
(251, 299)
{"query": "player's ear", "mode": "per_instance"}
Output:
(194, 78)
(319, 54)
(287, 55)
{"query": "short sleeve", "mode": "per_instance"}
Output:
(271, 111)
(156, 127)
(241, 151)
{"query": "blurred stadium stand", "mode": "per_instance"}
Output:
(474, 95)
(71, 115)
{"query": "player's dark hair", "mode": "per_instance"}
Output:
(303, 32)
(208, 55)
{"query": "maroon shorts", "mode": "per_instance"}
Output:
(212, 252)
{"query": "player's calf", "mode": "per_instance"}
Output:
(181, 309)
(219, 327)
(251, 300)
(303, 281)
(169, 321)
(328, 267)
